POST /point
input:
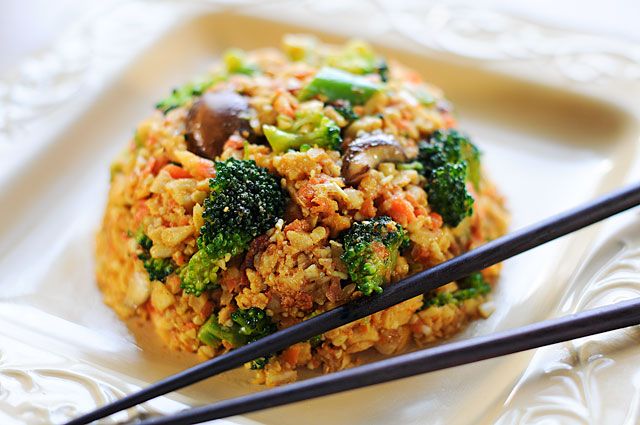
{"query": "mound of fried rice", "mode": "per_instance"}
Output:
(294, 271)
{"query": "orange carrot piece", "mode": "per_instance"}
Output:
(177, 172)
(291, 354)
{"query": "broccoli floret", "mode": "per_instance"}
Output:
(310, 128)
(245, 201)
(157, 268)
(450, 146)
(447, 193)
(449, 159)
(143, 240)
(471, 287)
(201, 273)
(247, 326)
(253, 323)
(371, 250)
(181, 95)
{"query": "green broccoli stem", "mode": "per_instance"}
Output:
(324, 133)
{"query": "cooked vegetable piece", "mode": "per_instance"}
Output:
(157, 268)
(470, 287)
(247, 326)
(259, 363)
(181, 95)
(333, 84)
(371, 249)
(245, 201)
(449, 159)
(344, 108)
(310, 128)
(356, 57)
(236, 62)
(450, 146)
(367, 152)
(213, 333)
(213, 119)
(201, 272)
(253, 323)
(447, 193)
(143, 240)
(414, 165)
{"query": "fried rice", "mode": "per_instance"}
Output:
(295, 269)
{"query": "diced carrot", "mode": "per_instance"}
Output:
(178, 258)
(205, 169)
(177, 172)
(291, 354)
(234, 142)
(418, 209)
(368, 209)
(401, 211)
(437, 220)
(299, 225)
(158, 164)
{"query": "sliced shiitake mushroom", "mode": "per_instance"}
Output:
(367, 152)
(213, 119)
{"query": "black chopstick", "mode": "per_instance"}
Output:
(454, 269)
(620, 315)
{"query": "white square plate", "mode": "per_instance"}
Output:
(547, 148)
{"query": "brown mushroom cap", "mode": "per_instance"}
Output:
(213, 119)
(367, 152)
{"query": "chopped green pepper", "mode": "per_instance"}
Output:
(335, 84)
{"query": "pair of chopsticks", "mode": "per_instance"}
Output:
(454, 269)
(620, 315)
